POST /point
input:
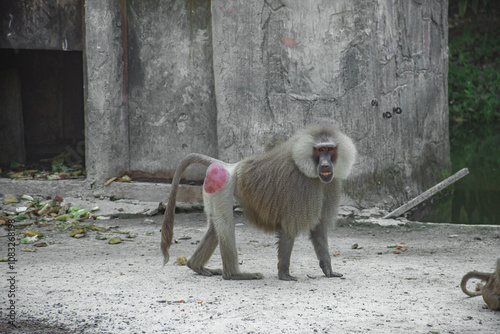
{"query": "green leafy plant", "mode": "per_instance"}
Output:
(474, 99)
(474, 79)
(474, 111)
(474, 5)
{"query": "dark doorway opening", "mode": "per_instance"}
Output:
(41, 106)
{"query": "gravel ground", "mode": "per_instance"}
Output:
(89, 286)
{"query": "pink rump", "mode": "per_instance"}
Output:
(216, 178)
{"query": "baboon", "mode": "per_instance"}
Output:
(490, 291)
(294, 187)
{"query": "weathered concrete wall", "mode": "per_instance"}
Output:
(106, 119)
(281, 64)
(277, 66)
(41, 24)
(234, 78)
(171, 102)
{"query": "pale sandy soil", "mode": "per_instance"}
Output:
(88, 286)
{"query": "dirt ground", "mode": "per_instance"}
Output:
(89, 286)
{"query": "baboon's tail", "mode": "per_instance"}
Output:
(491, 294)
(473, 274)
(167, 228)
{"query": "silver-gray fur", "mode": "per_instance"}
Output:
(279, 191)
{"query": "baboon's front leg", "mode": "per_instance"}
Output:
(285, 246)
(319, 238)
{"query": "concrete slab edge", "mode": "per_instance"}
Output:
(141, 198)
(145, 192)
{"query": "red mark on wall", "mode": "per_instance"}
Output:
(289, 42)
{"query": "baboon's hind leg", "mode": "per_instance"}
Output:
(203, 253)
(229, 254)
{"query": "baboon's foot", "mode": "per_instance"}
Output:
(333, 274)
(206, 271)
(286, 277)
(326, 266)
(243, 276)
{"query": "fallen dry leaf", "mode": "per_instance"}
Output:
(124, 178)
(115, 240)
(181, 260)
(33, 234)
(108, 181)
(77, 234)
(10, 199)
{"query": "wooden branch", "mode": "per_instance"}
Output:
(428, 193)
